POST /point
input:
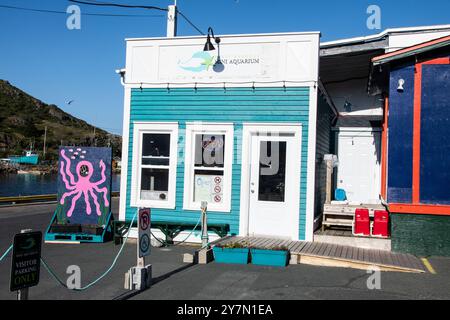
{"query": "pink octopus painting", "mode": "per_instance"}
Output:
(82, 185)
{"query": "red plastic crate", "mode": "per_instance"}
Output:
(361, 223)
(381, 224)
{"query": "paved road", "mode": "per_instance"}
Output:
(175, 280)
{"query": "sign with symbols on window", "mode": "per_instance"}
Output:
(208, 188)
(144, 226)
(26, 260)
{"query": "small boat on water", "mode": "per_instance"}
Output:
(35, 172)
(28, 158)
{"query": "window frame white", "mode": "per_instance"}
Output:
(192, 129)
(139, 129)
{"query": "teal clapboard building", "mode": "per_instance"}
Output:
(236, 127)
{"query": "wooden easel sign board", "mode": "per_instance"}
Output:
(26, 260)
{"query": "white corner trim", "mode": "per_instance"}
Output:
(311, 168)
(125, 149)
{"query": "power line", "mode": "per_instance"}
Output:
(85, 14)
(107, 4)
(190, 22)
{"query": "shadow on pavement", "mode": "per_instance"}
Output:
(156, 280)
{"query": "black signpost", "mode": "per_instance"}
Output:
(26, 262)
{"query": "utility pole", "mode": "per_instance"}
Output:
(172, 20)
(45, 140)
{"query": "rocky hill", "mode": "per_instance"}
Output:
(23, 119)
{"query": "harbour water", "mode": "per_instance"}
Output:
(31, 184)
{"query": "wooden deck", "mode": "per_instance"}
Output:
(335, 255)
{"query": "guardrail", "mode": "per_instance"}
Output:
(37, 198)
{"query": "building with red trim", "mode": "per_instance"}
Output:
(415, 160)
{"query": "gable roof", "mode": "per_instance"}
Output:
(411, 51)
(375, 37)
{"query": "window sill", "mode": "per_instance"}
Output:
(153, 205)
(224, 210)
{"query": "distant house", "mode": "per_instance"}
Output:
(416, 82)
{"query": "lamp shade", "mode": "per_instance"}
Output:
(208, 45)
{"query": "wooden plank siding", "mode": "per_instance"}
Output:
(236, 105)
(323, 145)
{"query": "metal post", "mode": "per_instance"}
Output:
(45, 141)
(140, 277)
(329, 175)
(22, 294)
(205, 240)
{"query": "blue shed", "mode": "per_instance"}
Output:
(416, 81)
(236, 127)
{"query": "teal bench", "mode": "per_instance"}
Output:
(169, 229)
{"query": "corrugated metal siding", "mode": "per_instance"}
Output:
(235, 105)
(323, 147)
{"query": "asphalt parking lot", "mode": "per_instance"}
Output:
(173, 279)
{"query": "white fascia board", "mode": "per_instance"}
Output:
(125, 147)
(253, 35)
(383, 34)
(378, 111)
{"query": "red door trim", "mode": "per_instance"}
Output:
(417, 124)
(384, 145)
(419, 209)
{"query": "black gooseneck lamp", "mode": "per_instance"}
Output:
(208, 45)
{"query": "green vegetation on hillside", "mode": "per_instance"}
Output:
(23, 120)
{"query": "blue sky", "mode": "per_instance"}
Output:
(41, 56)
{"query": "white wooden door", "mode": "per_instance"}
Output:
(274, 185)
(359, 166)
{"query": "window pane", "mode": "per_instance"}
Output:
(272, 170)
(208, 186)
(154, 184)
(155, 149)
(209, 150)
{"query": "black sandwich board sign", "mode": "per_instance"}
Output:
(26, 260)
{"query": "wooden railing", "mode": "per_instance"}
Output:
(36, 198)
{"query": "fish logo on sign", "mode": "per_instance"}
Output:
(199, 62)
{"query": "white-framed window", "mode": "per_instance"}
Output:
(208, 166)
(153, 179)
